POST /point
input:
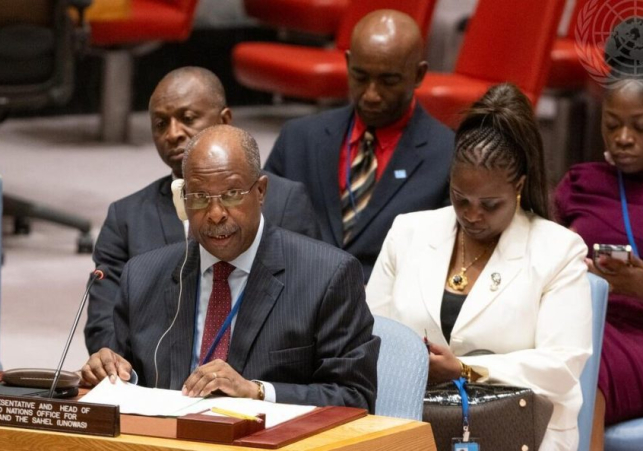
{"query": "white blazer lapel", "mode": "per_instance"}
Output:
(506, 261)
(432, 270)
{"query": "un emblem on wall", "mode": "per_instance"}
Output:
(609, 36)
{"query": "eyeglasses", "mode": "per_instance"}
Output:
(231, 198)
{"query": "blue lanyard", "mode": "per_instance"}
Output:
(626, 215)
(351, 196)
(224, 328)
(461, 383)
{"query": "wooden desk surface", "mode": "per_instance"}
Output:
(371, 433)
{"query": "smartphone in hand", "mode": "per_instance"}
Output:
(621, 252)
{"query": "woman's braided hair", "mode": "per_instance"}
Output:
(500, 132)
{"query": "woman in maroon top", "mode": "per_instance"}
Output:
(589, 201)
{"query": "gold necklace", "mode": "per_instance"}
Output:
(459, 281)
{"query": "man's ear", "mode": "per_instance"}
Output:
(262, 188)
(226, 116)
(347, 56)
(420, 72)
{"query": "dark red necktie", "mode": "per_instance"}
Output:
(218, 310)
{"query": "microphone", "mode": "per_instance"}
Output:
(96, 275)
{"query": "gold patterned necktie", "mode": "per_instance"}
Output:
(362, 182)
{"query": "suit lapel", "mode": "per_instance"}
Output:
(326, 153)
(507, 261)
(183, 330)
(432, 269)
(407, 158)
(261, 293)
(173, 230)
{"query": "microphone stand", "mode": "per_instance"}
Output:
(97, 275)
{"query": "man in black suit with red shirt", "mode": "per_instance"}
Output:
(412, 150)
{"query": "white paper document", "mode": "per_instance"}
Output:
(137, 400)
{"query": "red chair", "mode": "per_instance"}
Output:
(310, 72)
(505, 40)
(320, 17)
(576, 131)
(567, 72)
(150, 23)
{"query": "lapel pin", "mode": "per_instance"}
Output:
(495, 281)
(400, 173)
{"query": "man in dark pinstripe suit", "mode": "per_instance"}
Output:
(303, 332)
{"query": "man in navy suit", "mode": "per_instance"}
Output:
(413, 151)
(185, 101)
(299, 327)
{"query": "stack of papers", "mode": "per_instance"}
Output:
(139, 400)
(136, 400)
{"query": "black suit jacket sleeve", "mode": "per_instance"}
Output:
(346, 352)
(110, 252)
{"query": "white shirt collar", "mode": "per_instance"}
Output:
(242, 262)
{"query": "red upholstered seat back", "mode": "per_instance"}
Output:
(311, 16)
(150, 20)
(182, 5)
(420, 10)
(186, 9)
(511, 40)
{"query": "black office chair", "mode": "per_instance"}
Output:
(38, 45)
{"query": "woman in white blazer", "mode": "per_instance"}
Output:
(492, 273)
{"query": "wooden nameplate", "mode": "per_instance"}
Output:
(216, 429)
(163, 427)
(61, 416)
(319, 420)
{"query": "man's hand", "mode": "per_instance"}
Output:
(218, 375)
(443, 364)
(623, 278)
(102, 364)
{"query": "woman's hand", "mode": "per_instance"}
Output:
(443, 364)
(623, 278)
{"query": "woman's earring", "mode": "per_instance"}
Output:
(517, 202)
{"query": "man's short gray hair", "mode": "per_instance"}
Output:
(245, 139)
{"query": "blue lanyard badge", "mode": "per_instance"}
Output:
(224, 327)
(464, 443)
(626, 214)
